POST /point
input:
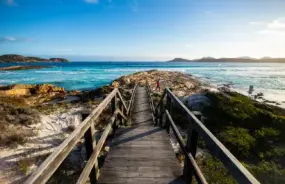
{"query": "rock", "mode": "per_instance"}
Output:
(189, 85)
(198, 102)
(11, 68)
(19, 58)
(16, 92)
(22, 86)
(180, 93)
(33, 94)
(115, 84)
(46, 88)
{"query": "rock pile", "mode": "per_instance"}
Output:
(181, 84)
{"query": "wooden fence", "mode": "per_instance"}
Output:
(196, 128)
(85, 129)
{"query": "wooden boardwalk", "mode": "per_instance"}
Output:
(141, 153)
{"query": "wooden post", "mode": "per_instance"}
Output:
(156, 117)
(160, 114)
(90, 144)
(122, 110)
(113, 109)
(168, 107)
(191, 147)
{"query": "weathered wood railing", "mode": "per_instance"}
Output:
(120, 113)
(196, 128)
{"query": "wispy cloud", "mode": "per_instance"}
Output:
(277, 24)
(257, 23)
(275, 27)
(11, 39)
(92, 1)
(134, 6)
(10, 2)
(188, 45)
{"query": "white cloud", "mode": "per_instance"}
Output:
(272, 32)
(11, 2)
(92, 1)
(273, 28)
(9, 38)
(188, 45)
(277, 24)
(257, 23)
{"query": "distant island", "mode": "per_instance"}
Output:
(240, 59)
(19, 58)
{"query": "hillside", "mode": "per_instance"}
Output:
(240, 59)
(19, 58)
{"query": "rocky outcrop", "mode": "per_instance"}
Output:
(11, 68)
(58, 60)
(33, 94)
(181, 84)
(239, 59)
(19, 58)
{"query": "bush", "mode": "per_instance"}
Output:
(238, 140)
(13, 119)
(214, 170)
(268, 172)
(254, 132)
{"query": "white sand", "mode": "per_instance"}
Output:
(50, 132)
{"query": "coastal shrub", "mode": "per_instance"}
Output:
(13, 122)
(254, 132)
(267, 172)
(214, 170)
(23, 166)
(12, 135)
(238, 140)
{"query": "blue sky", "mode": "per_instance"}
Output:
(142, 29)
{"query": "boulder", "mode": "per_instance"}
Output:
(189, 85)
(46, 88)
(115, 84)
(197, 102)
(16, 92)
(22, 86)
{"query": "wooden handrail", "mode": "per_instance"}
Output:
(197, 172)
(122, 100)
(132, 100)
(235, 168)
(90, 163)
(50, 165)
(150, 101)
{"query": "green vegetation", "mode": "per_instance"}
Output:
(14, 118)
(19, 58)
(214, 170)
(252, 131)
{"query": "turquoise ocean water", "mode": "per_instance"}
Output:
(268, 78)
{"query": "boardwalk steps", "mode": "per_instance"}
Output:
(141, 153)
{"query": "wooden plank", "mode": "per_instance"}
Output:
(49, 166)
(142, 153)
